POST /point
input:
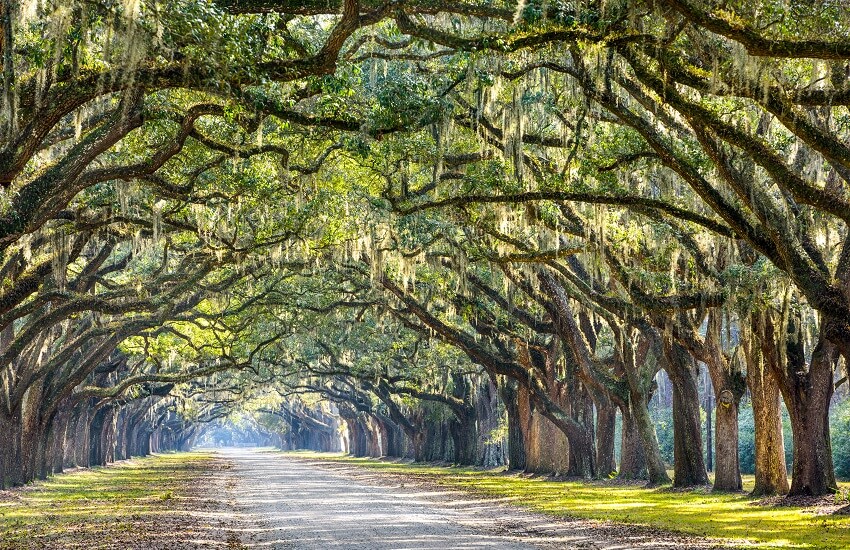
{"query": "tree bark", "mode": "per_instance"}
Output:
(517, 459)
(9, 451)
(808, 401)
(58, 431)
(771, 472)
(727, 388)
(807, 391)
(30, 434)
(465, 439)
(639, 379)
(727, 474)
(606, 417)
(689, 466)
(709, 432)
(632, 457)
(582, 450)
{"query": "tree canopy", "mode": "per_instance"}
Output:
(474, 231)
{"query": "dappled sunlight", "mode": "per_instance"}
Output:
(289, 500)
(266, 499)
(733, 517)
(130, 502)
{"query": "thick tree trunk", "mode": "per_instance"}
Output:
(396, 444)
(465, 439)
(58, 431)
(418, 443)
(727, 474)
(547, 449)
(689, 466)
(582, 458)
(30, 435)
(807, 401)
(723, 394)
(709, 431)
(45, 450)
(134, 437)
(639, 378)
(360, 439)
(464, 424)
(807, 393)
(606, 417)
(31, 442)
(144, 444)
(379, 441)
(81, 436)
(582, 449)
(656, 471)
(492, 450)
(10, 470)
(770, 468)
(121, 435)
(98, 437)
(517, 459)
(632, 457)
(109, 436)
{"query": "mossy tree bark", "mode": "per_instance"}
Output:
(771, 472)
(689, 466)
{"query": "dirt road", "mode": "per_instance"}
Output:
(277, 501)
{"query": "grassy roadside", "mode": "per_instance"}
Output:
(734, 518)
(124, 504)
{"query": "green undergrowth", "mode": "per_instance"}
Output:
(737, 519)
(95, 508)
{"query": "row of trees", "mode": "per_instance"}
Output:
(444, 217)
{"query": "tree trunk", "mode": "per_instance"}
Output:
(81, 436)
(727, 475)
(606, 417)
(517, 459)
(632, 457)
(121, 435)
(30, 438)
(582, 449)
(582, 458)
(807, 401)
(465, 438)
(656, 471)
(9, 452)
(689, 466)
(709, 412)
(492, 451)
(45, 449)
(57, 438)
(727, 387)
(639, 378)
(98, 436)
(771, 470)
(547, 449)
(807, 393)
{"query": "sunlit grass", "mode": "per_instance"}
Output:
(99, 502)
(734, 518)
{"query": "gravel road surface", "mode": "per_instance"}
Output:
(277, 501)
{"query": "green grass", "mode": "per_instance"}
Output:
(99, 506)
(733, 518)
